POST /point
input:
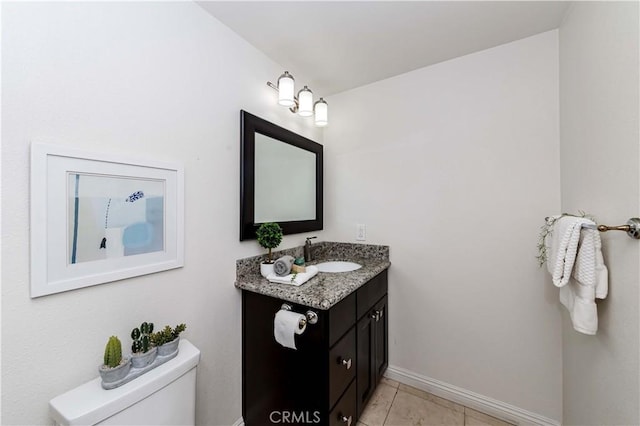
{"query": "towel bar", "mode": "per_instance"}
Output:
(632, 228)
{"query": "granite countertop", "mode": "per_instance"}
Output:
(325, 289)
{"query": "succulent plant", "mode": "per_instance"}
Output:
(113, 352)
(167, 334)
(142, 338)
(179, 329)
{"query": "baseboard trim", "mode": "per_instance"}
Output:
(239, 422)
(490, 406)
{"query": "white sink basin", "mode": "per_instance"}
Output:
(338, 266)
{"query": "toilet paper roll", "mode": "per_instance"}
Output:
(286, 325)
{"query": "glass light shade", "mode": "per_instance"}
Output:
(285, 90)
(322, 113)
(305, 102)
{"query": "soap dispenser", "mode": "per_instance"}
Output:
(307, 249)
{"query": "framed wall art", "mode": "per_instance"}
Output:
(98, 218)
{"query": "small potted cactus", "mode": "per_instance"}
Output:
(167, 339)
(269, 236)
(142, 352)
(115, 367)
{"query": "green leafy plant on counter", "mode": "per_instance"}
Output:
(269, 236)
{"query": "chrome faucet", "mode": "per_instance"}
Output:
(307, 249)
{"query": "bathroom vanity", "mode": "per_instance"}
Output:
(341, 355)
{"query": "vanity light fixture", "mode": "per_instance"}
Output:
(285, 90)
(302, 104)
(322, 113)
(305, 102)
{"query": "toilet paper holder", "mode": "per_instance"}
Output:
(311, 317)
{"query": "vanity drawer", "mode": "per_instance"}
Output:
(342, 366)
(370, 293)
(344, 412)
(341, 318)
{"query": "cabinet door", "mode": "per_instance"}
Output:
(373, 351)
(381, 345)
(366, 374)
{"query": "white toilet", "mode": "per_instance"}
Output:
(165, 395)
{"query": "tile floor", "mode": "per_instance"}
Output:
(396, 404)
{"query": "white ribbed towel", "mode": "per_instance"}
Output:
(589, 281)
(294, 279)
(578, 263)
(562, 247)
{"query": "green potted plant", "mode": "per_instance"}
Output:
(143, 352)
(114, 367)
(269, 236)
(167, 339)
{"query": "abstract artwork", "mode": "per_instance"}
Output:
(115, 217)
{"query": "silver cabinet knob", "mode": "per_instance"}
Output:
(347, 420)
(345, 362)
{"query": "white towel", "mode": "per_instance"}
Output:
(578, 268)
(589, 281)
(563, 247)
(294, 279)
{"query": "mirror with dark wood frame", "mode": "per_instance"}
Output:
(280, 178)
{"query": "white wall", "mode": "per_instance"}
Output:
(600, 173)
(455, 167)
(163, 81)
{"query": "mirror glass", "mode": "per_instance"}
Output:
(285, 182)
(280, 178)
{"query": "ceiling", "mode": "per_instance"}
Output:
(339, 45)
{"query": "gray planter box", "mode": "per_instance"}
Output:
(110, 375)
(168, 348)
(140, 360)
(137, 372)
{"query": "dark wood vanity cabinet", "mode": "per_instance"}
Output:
(333, 372)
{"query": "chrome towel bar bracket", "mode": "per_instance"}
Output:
(632, 228)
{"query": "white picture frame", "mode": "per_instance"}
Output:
(86, 230)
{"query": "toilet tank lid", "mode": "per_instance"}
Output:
(89, 403)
